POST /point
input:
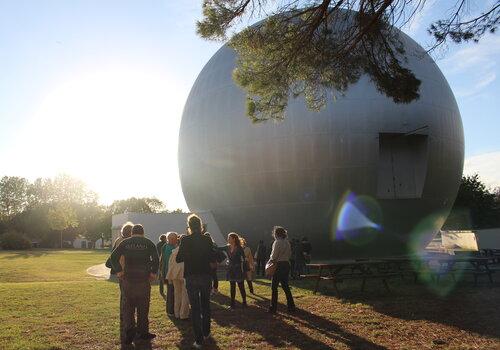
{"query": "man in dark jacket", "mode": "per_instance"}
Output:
(140, 268)
(196, 251)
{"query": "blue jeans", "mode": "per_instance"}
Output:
(198, 289)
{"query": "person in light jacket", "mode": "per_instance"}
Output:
(280, 255)
(250, 264)
(175, 276)
(171, 244)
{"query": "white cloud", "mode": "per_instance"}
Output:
(487, 165)
(474, 66)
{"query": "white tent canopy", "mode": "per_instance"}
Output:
(158, 224)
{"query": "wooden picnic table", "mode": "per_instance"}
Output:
(447, 265)
(361, 269)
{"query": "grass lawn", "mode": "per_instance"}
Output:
(48, 302)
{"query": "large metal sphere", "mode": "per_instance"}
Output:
(363, 177)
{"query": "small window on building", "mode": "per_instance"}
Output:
(402, 165)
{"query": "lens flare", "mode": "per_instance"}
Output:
(437, 270)
(358, 220)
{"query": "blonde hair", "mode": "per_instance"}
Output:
(194, 224)
(126, 230)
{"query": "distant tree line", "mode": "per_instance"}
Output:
(51, 210)
(476, 206)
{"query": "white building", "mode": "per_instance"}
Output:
(158, 224)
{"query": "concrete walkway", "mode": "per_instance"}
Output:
(99, 271)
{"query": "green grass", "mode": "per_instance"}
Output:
(48, 302)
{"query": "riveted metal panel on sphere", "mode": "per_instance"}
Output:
(364, 177)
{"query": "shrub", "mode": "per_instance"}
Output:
(14, 241)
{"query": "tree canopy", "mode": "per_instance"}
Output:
(476, 207)
(49, 209)
(316, 47)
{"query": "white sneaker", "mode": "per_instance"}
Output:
(197, 345)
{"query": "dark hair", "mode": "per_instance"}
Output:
(163, 237)
(126, 230)
(279, 232)
(237, 239)
(194, 224)
(138, 230)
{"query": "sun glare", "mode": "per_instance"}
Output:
(116, 130)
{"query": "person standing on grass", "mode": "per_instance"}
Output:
(175, 276)
(140, 268)
(249, 263)
(125, 233)
(159, 246)
(236, 267)
(197, 253)
(280, 255)
(306, 252)
(171, 243)
(260, 257)
(215, 278)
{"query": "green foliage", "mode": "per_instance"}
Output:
(14, 241)
(137, 205)
(317, 49)
(62, 217)
(13, 196)
(476, 207)
(50, 207)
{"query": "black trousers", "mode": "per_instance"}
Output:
(281, 277)
(169, 305)
(261, 267)
(198, 289)
(136, 299)
(292, 268)
(215, 279)
(123, 333)
(241, 287)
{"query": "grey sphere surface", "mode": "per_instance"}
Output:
(363, 177)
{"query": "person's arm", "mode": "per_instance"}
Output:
(182, 252)
(274, 252)
(115, 259)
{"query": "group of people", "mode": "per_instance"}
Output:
(299, 258)
(186, 267)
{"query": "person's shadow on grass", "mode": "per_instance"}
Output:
(280, 333)
(187, 336)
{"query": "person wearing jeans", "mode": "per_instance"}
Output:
(197, 253)
(280, 255)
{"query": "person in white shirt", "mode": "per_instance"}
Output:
(175, 275)
(280, 255)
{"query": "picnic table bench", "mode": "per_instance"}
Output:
(342, 270)
(479, 266)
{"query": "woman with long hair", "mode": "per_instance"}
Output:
(280, 255)
(250, 266)
(235, 267)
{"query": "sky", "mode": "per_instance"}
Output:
(96, 88)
